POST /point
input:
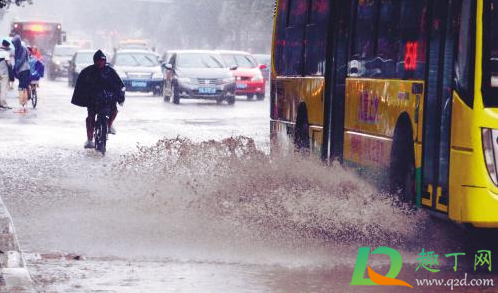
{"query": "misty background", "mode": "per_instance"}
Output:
(166, 24)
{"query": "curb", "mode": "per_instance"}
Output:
(14, 275)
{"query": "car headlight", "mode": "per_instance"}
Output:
(157, 75)
(490, 148)
(184, 79)
(258, 77)
(57, 62)
(229, 79)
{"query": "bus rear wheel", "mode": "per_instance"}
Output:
(402, 166)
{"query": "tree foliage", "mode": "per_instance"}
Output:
(179, 24)
(7, 3)
(214, 24)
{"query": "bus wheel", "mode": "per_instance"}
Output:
(301, 132)
(402, 166)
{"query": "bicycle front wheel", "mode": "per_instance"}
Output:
(101, 133)
(34, 97)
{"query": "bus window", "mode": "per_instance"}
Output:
(297, 13)
(364, 32)
(294, 34)
(490, 56)
(316, 38)
(463, 64)
(387, 43)
(280, 42)
(389, 39)
(493, 42)
(412, 60)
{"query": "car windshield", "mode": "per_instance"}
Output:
(84, 58)
(242, 61)
(64, 51)
(199, 60)
(137, 60)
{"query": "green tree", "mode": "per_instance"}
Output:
(7, 3)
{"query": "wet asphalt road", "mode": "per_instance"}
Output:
(200, 223)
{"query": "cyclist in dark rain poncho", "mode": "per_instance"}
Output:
(97, 86)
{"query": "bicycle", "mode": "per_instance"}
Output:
(32, 93)
(102, 129)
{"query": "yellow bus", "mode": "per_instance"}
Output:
(404, 90)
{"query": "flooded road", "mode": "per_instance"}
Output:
(187, 200)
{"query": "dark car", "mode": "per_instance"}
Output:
(81, 59)
(58, 63)
(140, 71)
(196, 74)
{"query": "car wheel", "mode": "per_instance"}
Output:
(260, 97)
(176, 96)
(231, 100)
(250, 97)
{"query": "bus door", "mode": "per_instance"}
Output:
(335, 92)
(443, 38)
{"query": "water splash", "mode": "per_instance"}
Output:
(232, 179)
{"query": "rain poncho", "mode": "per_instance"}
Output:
(21, 56)
(36, 67)
(93, 82)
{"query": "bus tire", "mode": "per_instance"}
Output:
(402, 165)
(301, 131)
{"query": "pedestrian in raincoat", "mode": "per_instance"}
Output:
(98, 84)
(5, 71)
(22, 71)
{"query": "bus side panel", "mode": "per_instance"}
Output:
(460, 156)
(287, 94)
(473, 195)
(373, 107)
